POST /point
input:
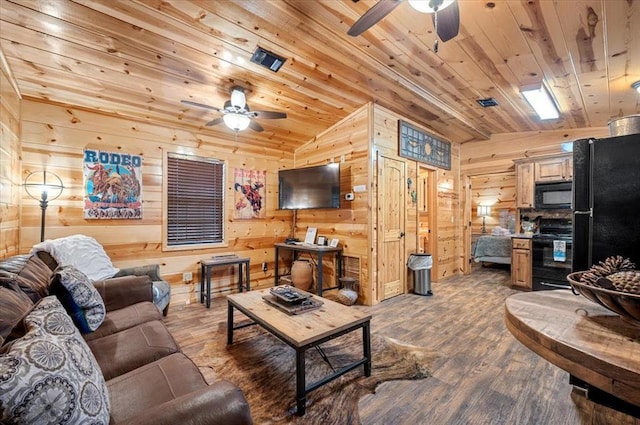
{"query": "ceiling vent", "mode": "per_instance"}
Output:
(267, 59)
(485, 103)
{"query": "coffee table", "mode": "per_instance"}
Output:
(303, 331)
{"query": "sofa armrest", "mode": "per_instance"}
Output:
(124, 291)
(221, 403)
(151, 270)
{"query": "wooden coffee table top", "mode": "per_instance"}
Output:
(581, 337)
(300, 329)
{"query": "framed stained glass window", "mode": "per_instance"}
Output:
(421, 146)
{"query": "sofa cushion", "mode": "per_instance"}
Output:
(29, 272)
(129, 349)
(79, 297)
(125, 318)
(152, 385)
(14, 306)
(49, 375)
(82, 252)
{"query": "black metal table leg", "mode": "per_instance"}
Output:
(208, 283)
(229, 323)
(366, 348)
(276, 274)
(319, 275)
(301, 391)
(247, 268)
(201, 283)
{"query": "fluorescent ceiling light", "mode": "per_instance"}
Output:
(429, 6)
(541, 101)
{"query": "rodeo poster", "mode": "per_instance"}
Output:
(249, 196)
(112, 185)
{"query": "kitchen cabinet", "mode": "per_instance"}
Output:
(554, 169)
(521, 263)
(524, 185)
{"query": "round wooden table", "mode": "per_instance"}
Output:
(590, 342)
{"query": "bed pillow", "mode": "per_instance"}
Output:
(14, 306)
(83, 252)
(50, 375)
(79, 297)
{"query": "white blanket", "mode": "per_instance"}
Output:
(82, 252)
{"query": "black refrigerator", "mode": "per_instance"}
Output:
(606, 200)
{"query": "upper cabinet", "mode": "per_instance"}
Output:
(554, 169)
(524, 185)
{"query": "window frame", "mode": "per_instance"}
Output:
(165, 203)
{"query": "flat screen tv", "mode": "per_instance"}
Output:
(309, 188)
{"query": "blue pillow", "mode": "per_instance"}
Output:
(79, 297)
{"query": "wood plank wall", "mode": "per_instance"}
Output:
(10, 176)
(497, 190)
(347, 142)
(447, 227)
(55, 136)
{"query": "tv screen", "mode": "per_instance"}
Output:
(308, 188)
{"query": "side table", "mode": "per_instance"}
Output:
(205, 274)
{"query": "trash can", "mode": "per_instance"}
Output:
(421, 265)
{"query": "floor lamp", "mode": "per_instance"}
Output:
(484, 211)
(38, 188)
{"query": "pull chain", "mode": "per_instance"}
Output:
(435, 18)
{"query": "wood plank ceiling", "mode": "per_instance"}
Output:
(140, 58)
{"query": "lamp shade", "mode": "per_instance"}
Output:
(43, 185)
(484, 211)
(236, 122)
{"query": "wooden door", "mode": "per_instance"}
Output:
(391, 224)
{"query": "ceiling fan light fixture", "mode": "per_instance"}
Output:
(541, 101)
(636, 86)
(236, 122)
(429, 6)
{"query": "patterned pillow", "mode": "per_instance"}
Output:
(50, 376)
(78, 295)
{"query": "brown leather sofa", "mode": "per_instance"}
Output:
(149, 381)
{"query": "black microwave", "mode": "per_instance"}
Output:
(552, 195)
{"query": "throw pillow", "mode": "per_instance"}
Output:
(50, 375)
(83, 252)
(79, 297)
(14, 306)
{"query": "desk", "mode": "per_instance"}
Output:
(205, 274)
(585, 339)
(319, 251)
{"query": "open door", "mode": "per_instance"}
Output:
(391, 227)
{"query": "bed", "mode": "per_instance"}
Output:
(492, 249)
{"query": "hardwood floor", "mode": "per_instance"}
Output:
(483, 374)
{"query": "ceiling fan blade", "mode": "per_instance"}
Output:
(373, 16)
(214, 122)
(255, 126)
(199, 105)
(448, 22)
(269, 115)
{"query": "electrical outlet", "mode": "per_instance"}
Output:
(187, 277)
(264, 266)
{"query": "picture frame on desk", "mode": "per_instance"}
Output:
(310, 238)
(321, 240)
(334, 243)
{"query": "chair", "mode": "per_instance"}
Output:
(87, 255)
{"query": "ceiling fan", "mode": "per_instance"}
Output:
(446, 17)
(236, 113)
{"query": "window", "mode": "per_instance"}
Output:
(195, 201)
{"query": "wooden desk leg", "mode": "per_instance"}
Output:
(247, 275)
(301, 390)
(319, 275)
(229, 323)
(277, 276)
(366, 348)
(201, 283)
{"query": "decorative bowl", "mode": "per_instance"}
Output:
(626, 304)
